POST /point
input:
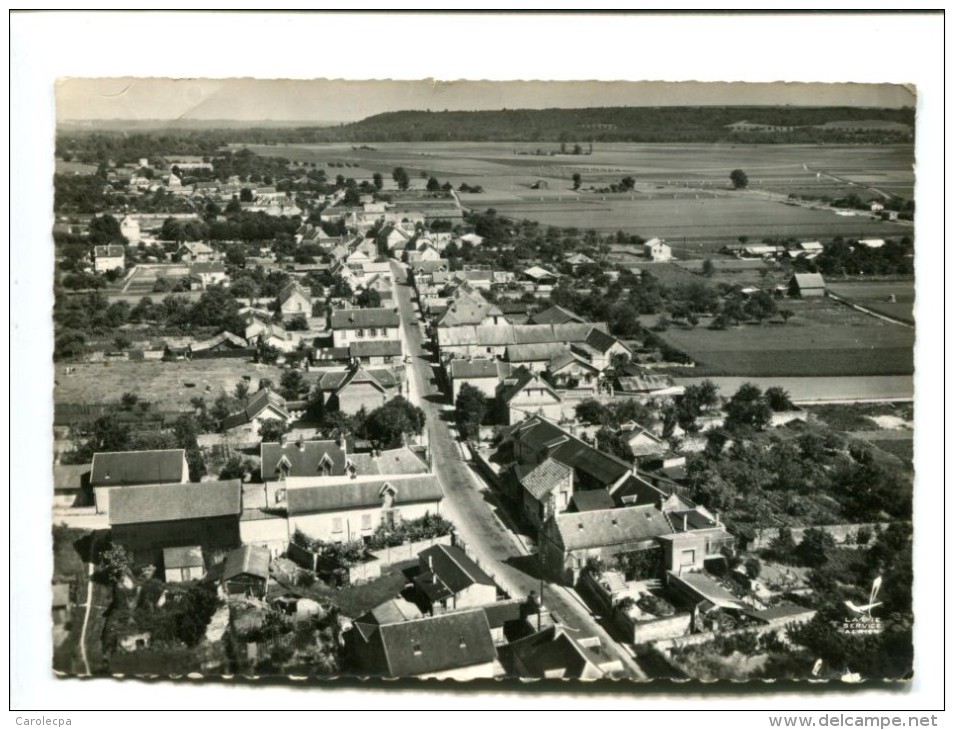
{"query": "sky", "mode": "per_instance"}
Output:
(325, 100)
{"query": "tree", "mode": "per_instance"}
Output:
(245, 196)
(378, 180)
(739, 179)
(129, 400)
(388, 424)
(613, 443)
(577, 180)
(786, 314)
(433, 185)
(471, 407)
(782, 546)
(241, 390)
(368, 298)
(235, 468)
(271, 430)
(708, 268)
(747, 409)
(293, 384)
(115, 563)
(401, 177)
(778, 399)
(815, 547)
(592, 411)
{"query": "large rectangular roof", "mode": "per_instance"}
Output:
(170, 502)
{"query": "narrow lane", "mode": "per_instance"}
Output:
(470, 503)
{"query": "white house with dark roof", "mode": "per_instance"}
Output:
(547, 489)
(342, 509)
(194, 251)
(107, 258)
(358, 387)
(525, 394)
(362, 325)
(294, 300)
(482, 374)
(449, 580)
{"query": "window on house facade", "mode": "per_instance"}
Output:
(337, 524)
(687, 557)
(366, 522)
(373, 332)
(359, 333)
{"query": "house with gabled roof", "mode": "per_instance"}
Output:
(546, 489)
(294, 300)
(535, 356)
(568, 371)
(533, 440)
(112, 470)
(449, 580)
(107, 258)
(245, 571)
(302, 459)
(389, 462)
(482, 374)
(457, 645)
(555, 315)
(195, 251)
(150, 518)
(376, 352)
(470, 308)
(599, 347)
(524, 394)
(346, 508)
(807, 285)
(265, 404)
(558, 652)
(224, 344)
(576, 260)
(182, 564)
(362, 325)
(358, 387)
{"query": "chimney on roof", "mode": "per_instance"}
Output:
(430, 563)
(685, 522)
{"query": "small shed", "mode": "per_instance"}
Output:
(246, 571)
(806, 285)
(182, 564)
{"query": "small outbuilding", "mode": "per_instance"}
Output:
(806, 285)
(182, 564)
(246, 571)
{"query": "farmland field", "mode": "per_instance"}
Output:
(824, 338)
(164, 383)
(877, 296)
(681, 191)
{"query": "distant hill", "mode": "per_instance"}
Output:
(637, 124)
(153, 125)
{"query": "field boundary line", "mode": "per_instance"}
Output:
(885, 317)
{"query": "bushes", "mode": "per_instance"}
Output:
(655, 605)
(423, 528)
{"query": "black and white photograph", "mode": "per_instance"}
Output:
(603, 381)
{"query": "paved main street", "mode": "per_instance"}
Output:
(469, 502)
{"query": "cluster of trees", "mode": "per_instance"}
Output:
(107, 433)
(813, 477)
(848, 258)
(385, 426)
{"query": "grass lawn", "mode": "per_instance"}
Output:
(163, 383)
(857, 416)
(824, 338)
(877, 296)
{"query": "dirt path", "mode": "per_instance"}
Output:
(89, 604)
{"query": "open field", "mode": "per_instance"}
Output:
(158, 382)
(877, 296)
(824, 338)
(681, 190)
(808, 389)
(144, 278)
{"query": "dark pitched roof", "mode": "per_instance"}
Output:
(603, 528)
(302, 498)
(449, 568)
(247, 560)
(555, 315)
(388, 463)
(543, 436)
(169, 502)
(303, 459)
(591, 499)
(289, 290)
(474, 369)
(353, 318)
(540, 352)
(256, 405)
(553, 653)
(183, 557)
(599, 340)
(376, 348)
(437, 643)
(220, 339)
(543, 478)
(510, 388)
(119, 468)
